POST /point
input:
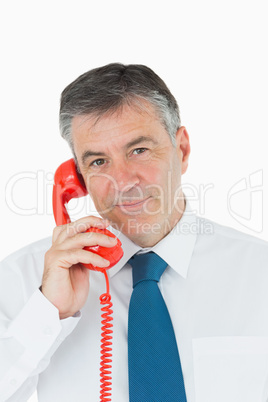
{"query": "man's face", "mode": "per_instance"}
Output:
(132, 171)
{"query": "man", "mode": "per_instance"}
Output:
(124, 129)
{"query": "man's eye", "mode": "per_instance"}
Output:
(140, 150)
(97, 162)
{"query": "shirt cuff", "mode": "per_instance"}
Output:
(38, 322)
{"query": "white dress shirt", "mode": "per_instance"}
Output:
(216, 290)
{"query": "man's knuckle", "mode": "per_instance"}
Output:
(57, 229)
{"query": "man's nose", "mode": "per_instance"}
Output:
(124, 177)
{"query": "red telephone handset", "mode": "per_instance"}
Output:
(68, 184)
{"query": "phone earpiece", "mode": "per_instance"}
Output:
(68, 184)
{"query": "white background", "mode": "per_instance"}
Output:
(211, 54)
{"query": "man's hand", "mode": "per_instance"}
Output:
(65, 280)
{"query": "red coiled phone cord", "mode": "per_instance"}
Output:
(106, 344)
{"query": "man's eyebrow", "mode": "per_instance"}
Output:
(141, 138)
(87, 154)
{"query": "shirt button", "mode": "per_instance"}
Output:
(48, 331)
(13, 382)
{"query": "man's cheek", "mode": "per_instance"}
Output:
(103, 201)
(96, 181)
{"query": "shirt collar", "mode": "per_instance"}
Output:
(182, 239)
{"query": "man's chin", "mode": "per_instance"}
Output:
(137, 228)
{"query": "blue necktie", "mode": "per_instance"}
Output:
(155, 373)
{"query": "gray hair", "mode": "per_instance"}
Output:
(106, 89)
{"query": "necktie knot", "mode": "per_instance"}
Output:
(147, 267)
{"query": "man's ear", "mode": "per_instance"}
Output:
(183, 147)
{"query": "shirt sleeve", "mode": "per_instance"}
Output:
(28, 344)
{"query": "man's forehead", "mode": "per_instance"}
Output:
(126, 114)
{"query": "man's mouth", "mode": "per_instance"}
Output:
(132, 204)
